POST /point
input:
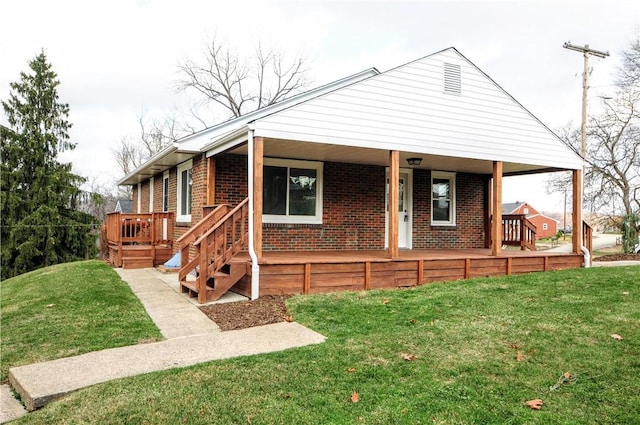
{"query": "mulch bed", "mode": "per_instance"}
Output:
(618, 257)
(246, 314)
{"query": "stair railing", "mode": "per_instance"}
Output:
(219, 244)
(188, 260)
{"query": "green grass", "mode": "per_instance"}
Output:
(465, 335)
(68, 309)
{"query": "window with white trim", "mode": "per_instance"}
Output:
(292, 191)
(443, 198)
(545, 226)
(165, 191)
(151, 182)
(185, 183)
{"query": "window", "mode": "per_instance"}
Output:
(526, 210)
(292, 191)
(165, 191)
(185, 182)
(151, 184)
(443, 198)
(545, 226)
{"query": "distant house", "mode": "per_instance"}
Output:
(124, 206)
(545, 225)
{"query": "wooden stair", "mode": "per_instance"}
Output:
(220, 283)
(208, 250)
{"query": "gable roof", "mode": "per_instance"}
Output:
(203, 140)
(124, 206)
(441, 106)
(510, 207)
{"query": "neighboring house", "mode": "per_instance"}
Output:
(124, 206)
(546, 226)
(376, 180)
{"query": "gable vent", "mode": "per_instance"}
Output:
(452, 78)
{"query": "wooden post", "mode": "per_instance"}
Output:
(367, 275)
(258, 162)
(576, 231)
(307, 279)
(211, 181)
(394, 194)
(496, 206)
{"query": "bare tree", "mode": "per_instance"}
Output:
(239, 85)
(154, 136)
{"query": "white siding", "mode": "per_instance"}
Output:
(407, 109)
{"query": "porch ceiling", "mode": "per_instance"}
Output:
(290, 149)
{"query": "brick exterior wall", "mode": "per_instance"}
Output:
(353, 207)
(469, 231)
(352, 210)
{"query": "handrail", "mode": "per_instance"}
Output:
(150, 228)
(215, 247)
(186, 241)
(518, 230)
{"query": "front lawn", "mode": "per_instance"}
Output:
(467, 352)
(68, 309)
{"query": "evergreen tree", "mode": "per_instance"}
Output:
(40, 224)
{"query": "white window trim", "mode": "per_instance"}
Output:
(151, 180)
(312, 165)
(182, 167)
(165, 190)
(452, 212)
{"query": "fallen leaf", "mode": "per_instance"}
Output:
(385, 301)
(408, 357)
(289, 318)
(355, 397)
(566, 375)
(535, 404)
(50, 305)
(519, 356)
(412, 321)
(616, 337)
(515, 346)
(625, 293)
(351, 369)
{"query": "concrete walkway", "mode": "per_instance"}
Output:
(191, 339)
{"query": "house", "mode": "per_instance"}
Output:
(124, 206)
(546, 226)
(376, 180)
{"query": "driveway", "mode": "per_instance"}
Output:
(600, 240)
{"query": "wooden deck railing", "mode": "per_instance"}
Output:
(146, 228)
(212, 243)
(517, 230)
(153, 229)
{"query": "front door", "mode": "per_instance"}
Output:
(405, 210)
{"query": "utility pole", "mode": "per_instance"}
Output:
(585, 85)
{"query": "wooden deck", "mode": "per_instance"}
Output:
(138, 240)
(327, 271)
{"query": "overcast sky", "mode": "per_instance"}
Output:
(116, 59)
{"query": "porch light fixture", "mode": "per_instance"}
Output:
(414, 161)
